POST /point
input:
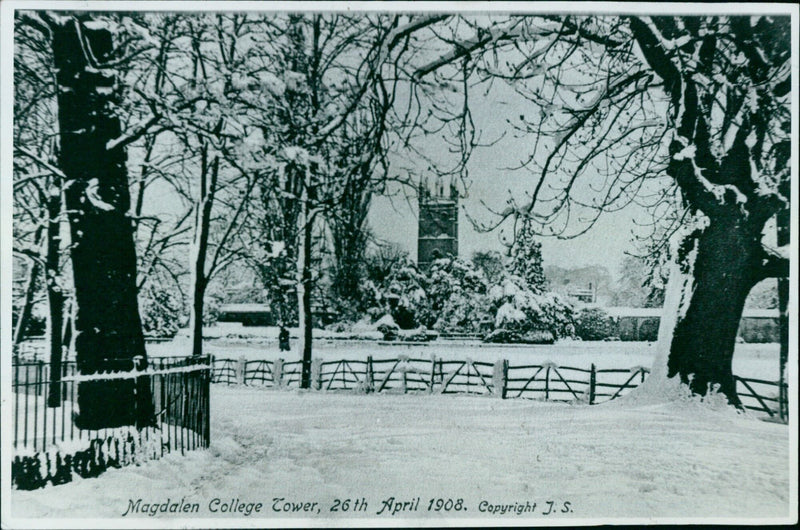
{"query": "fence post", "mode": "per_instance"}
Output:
(316, 373)
(547, 385)
(592, 384)
(783, 400)
(370, 375)
(39, 379)
(240, 369)
(277, 373)
(505, 378)
(641, 375)
(499, 376)
(433, 372)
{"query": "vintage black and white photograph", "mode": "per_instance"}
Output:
(353, 264)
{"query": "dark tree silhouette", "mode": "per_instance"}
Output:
(92, 157)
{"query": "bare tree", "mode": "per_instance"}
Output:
(332, 90)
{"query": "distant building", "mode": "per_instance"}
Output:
(247, 314)
(437, 236)
(583, 294)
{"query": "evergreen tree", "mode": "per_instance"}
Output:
(526, 259)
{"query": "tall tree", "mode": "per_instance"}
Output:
(92, 157)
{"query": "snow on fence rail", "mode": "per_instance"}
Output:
(545, 381)
(49, 447)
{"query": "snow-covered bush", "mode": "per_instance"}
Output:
(455, 296)
(465, 313)
(525, 316)
(457, 293)
(388, 327)
(509, 317)
(161, 312)
(594, 323)
(402, 294)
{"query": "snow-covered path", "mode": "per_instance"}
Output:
(620, 459)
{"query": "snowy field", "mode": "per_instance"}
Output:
(625, 459)
(231, 340)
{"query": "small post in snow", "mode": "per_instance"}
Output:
(499, 378)
(241, 364)
(277, 373)
(316, 374)
(370, 375)
(592, 384)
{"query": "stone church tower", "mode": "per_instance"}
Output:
(438, 222)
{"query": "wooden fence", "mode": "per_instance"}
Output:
(546, 381)
(762, 396)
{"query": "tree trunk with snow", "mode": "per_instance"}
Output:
(717, 162)
(674, 294)
(108, 325)
(725, 269)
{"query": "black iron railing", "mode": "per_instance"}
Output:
(49, 446)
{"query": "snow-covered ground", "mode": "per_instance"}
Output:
(631, 458)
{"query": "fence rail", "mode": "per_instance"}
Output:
(546, 381)
(767, 399)
(48, 445)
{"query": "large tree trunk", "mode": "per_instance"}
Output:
(107, 324)
(725, 269)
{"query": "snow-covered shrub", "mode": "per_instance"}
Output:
(509, 317)
(457, 293)
(402, 294)
(465, 313)
(527, 316)
(160, 312)
(388, 327)
(594, 323)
